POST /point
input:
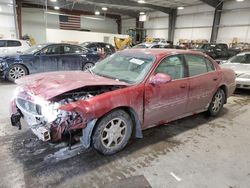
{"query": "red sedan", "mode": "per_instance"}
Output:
(126, 93)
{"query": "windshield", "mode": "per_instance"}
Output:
(85, 44)
(127, 67)
(34, 49)
(141, 46)
(238, 59)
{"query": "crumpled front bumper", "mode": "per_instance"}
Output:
(39, 129)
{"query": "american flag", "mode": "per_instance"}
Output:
(69, 22)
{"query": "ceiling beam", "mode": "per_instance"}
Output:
(212, 3)
(81, 8)
(132, 4)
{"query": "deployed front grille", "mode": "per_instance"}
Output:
(29, 106)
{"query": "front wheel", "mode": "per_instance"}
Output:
(15, 72)
(112, 132)
(217, 102)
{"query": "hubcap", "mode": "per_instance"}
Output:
(217, 103)
(87, 66)
(16, 72)
(114, 133)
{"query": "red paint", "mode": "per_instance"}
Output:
(153, 104)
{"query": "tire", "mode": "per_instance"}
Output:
(217, 102)
(87, 66)
(15, 72)
(112, 132)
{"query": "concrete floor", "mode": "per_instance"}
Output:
(197, 151)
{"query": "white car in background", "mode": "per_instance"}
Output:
(12, 46)
(241, 65)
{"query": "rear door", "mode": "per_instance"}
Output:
(166, 102)
(203, 81)
(13, 47)
(71, 58)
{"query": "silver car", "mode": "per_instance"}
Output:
(241, 65)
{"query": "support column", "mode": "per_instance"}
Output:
(18, 15)
(216, 23)
(119, 25)
(171, 24)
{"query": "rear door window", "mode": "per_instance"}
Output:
(196, 65)
(2, 43)
(13, 43)
(72, 49)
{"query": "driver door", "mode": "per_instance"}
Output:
(48, 58)
(166, 102)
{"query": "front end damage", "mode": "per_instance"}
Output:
(49, 120)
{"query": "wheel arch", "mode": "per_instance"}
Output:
(88, 131)
(137, 131)
(22, 64)
(225, 89)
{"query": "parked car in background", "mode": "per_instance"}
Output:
(127, 92)
(153, 45)
(101, 47)
(12, 46)
(216, 51)
(241, 65)
(46, 58)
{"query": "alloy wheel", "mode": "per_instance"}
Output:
(114, 133)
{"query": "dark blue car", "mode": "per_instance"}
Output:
(46, 58)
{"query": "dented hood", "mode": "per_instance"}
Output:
(49, 85)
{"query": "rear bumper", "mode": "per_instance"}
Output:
(243, 83)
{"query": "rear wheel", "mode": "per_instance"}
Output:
(15, 72)
(217, 102)
(112, 132)
(87, 66)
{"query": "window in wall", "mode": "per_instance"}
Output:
(172, 66)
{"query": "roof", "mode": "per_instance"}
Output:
(159, 52)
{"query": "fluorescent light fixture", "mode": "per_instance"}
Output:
(142, 13)
(143, 18)
(93, 18)
(1, 9)
(104, 8)
(53, 0)
(141, 1)
(56, 8)
(239, 0)
(180, 8)
(97, 12)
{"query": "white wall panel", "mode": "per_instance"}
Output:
(192, 34)
(34, 24)
(57, 35)
(128, 24)
(7, 21)
(105, 26)
(235, 23)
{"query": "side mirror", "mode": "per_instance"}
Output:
(160, 78)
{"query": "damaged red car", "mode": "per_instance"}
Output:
(122, 95)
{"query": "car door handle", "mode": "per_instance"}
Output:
(183, 86)
(215, 79)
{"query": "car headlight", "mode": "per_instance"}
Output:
(244, 75)
(3, 65)
(50, 111)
